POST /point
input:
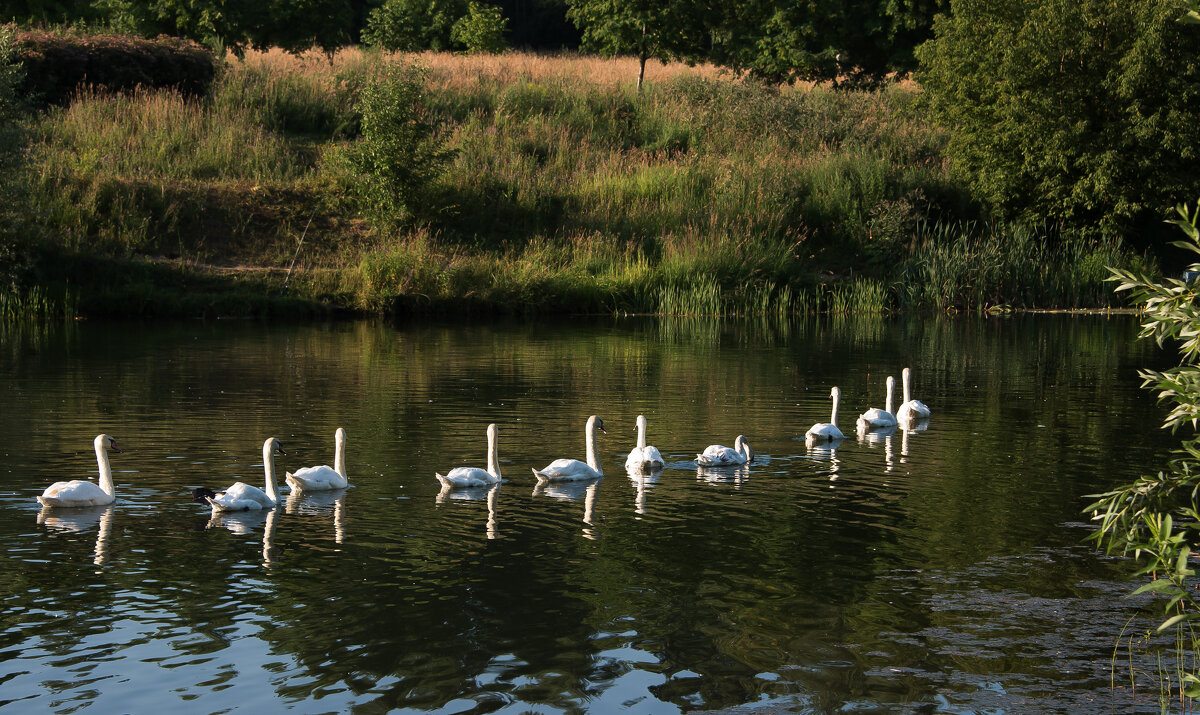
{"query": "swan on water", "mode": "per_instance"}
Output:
(242, 496)
(827, 431)
(77, 493)
(474, 476)
(571, 469)
(876, 418)
(716, 455)
(643, 458)
(322, 478)
(912, 410)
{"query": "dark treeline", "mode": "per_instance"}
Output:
(777, 41)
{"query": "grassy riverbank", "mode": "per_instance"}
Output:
(567, 192)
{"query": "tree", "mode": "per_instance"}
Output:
(413, 25)
(821, 39)
(481, 29)
(661, 29)
(1081, 111)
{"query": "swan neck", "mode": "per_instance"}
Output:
(905, 379)
(269, 469)
(493, 454)
(890, 389)
(106, 480)
(339, 455)
(837, 396)
(641, 425)
(593, 459)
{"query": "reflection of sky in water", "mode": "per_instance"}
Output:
(926, 569)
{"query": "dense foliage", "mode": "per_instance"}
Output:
(1083, 112)
(482, 29)
(56, 64)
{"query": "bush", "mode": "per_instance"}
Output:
(398, 154)
(57, 64)
(413, 25)
(481, 29)
(1082, 111)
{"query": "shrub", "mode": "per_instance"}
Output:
(481, 29)
(57, 64)
(1082, 111)
(413, 25)
(399, 153)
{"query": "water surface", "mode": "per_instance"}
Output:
(934, 571)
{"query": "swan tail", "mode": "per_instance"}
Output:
(540, 476)
(446, 483)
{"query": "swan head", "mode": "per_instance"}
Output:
(273, 446)
(339, 437)
(201, 495)
(835, 393)
(596, 422)
(103, 441)
(492, 431)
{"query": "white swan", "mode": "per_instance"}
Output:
(716, 455)
(242, 496)
(474, 476)
(876, 418)
(322, 478)
(76, 492)
(569, 469)
(912, 410)
(827, 431)
(643, 458)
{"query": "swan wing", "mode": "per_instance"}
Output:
(224, 502)
(240, 491)
(876, 417)
(466, 477)
(314, 479)
(823, 432)
(912, 411)
(716, 455)
(74, 493)
(566, 469)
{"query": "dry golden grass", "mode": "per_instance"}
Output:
(450, 70)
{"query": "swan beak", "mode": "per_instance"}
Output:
(112, 446)
(280, 450)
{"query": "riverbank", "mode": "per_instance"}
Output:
(566, 192)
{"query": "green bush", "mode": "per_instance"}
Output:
(57, 64)
(399, 154)
(413, 25)
(1080, 111)
(481, 29)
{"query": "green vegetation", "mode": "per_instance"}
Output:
(481, 29)
(370, 185)
(1096, 88)
(1157, 518)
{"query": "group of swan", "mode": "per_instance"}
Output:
(910, 413)
(642, 459)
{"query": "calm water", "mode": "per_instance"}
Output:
(939, 571)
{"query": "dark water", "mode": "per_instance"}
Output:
(939, 571)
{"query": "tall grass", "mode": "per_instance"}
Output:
(36, 303)
(569, 191)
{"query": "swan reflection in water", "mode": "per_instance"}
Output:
(243, 523)
(736, 476)
(641, 480)
(491, 493)
(319, 504)
(573, 491)
(827, 450)
(79, 520)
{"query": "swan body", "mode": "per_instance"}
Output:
(912, 410)
(643, 458)
(474, 476)
(242, 496)
(573, 469)
(322, 478)
(717, 455)
(79, 493)
(876, 418)
(827, 431)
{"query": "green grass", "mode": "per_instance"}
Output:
(699, 197)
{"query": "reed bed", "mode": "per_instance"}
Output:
(568, 191)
